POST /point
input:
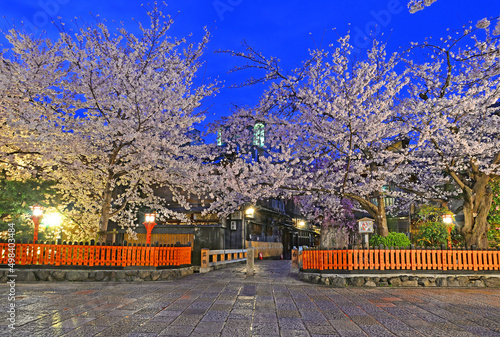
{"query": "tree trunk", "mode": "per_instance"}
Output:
(105, 211)
(334, 237)
(477, 204)
(377, 212)
(381, 219)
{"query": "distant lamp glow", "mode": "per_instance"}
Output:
(448, 221)
(37, 210)
(37, 214)
(302, 223)
(250, 212)
(53, 219)
(447, 218)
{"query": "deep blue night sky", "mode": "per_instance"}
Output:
(285, 29)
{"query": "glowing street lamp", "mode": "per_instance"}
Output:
(250, 212)
(37, 214)
(149, 223)
(53, 219)
(448, 221)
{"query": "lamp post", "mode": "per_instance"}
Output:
(149, 223)
(448, 221)
(248, 214)
(37, 214)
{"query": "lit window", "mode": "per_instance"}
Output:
(258, 134)
(219, 137)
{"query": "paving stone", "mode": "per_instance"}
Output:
(209, 327)
(294, 333)
(238, 323)
(215, 315)
(187, 320)
(321, 329)
(151, 327)
(291, 324)
(86, 331)
(50, 332)
(240, 313)
(227, 303)
(177, 330)
(289, 313)
(73, 322)
(376, 330)
(363, 320)
(203, 334)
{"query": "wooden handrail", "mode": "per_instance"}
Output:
(225, 256)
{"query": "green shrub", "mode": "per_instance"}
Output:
(457, 239)
(431, 231)
(494, 237)
(431, 234)
(391, 240)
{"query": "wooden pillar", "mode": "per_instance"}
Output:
(250, 262)
(295, 260)
(205, 266)
(300, 259)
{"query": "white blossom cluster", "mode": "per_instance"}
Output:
(418, 5)
(372, 129)
(107, 116)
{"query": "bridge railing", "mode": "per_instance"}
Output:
(214, 258)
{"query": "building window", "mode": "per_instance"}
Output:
(389, 201)
(219, 137)
(258, 134)
(256, 229)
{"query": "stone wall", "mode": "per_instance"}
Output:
(54, 275)
(401, 280)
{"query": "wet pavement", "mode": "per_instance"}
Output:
(227, 303)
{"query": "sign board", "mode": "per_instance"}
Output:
(365, 225)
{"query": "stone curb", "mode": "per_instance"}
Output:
(400, 280)
(61, 275)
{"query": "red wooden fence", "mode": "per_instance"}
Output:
(402, 259)
(96, 255)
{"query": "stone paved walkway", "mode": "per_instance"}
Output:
(227, 303)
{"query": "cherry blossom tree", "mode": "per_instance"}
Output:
(329, 129)
(418, 5)
(454, 111)
(106, 114)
